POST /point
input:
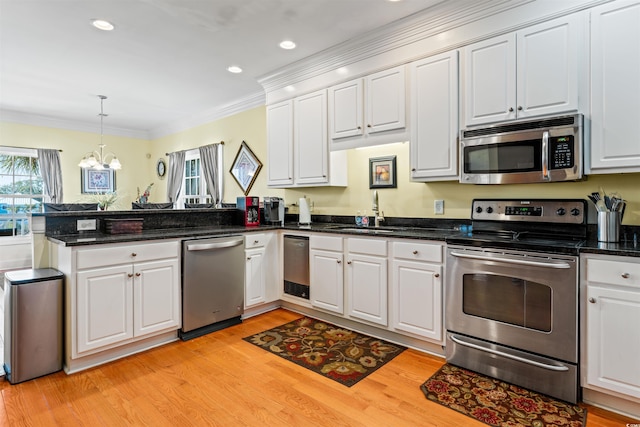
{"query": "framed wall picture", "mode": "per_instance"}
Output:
(98, 181)
(382, 172)
(245, 168)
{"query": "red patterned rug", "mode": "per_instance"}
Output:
(497, 403)
(337, 353)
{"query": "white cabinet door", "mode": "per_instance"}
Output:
(255, 280)
(280, 144)
(311, 146)
(346, 109)
(367, 284)
(417, 298)
(326, 278)
(385, 100)
(490, 80)
(104, 306)
(613, 339)
(434, 118)
(533, 72)
(156, 296)
(615, 88)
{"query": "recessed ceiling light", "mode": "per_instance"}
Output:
(287, 44)
(234, 69)
(103, 25)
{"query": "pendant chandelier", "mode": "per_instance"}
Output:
(98, 159)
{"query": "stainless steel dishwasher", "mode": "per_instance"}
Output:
(212, 284)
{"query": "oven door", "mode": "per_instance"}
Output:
(522, 300)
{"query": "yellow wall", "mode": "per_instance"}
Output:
(409, 199)
(136, 168)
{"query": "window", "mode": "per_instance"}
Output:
(194, 187)
(21, 190)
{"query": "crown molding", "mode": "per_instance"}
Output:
(73, 125)
(254, 100)
(429, 23)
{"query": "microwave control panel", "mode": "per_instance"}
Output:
(561, 152)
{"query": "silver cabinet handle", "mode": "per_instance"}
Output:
(625, 275)
(592, 300)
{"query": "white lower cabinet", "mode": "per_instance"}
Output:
(326, 273)
(610, 336)
(367, 280)
(120, 299)
(261, 279)
(122, 302)
(395, 284)
(416, 289)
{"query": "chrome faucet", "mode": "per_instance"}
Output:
(378, 214)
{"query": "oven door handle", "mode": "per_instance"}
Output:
(513, 261)
(508, 355)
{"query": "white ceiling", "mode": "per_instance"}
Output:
(166, 60)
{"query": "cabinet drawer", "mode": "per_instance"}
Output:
(254, 240)
(367, 246)
(613, 272)
(418, 251)
(122, 254)
(327, 243)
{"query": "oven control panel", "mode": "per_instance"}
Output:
(540, 210)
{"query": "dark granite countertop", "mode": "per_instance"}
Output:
(212, 223)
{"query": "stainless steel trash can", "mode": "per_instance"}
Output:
(33, 331)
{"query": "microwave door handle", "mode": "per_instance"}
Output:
(545, 155)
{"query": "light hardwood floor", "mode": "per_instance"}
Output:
(221, 380)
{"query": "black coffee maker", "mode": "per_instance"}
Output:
(273, 210)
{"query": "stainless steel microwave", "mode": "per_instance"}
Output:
(543, 150)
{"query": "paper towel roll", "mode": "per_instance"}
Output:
(305, 214)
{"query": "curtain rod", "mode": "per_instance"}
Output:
(25, 148)
(221, 143)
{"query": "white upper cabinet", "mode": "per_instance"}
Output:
(311, 150)
(533, 72)
(346, 109)
(368, 111)
(298, 147)
(385, 100)
(434, 117)
(615, 88)
(280, 144)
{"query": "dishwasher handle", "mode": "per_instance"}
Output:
(214, 245)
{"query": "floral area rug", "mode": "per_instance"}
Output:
(497, 403)
(337, 353)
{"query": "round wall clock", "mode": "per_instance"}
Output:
(161, 168)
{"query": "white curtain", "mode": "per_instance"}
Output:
(175, 176)
(51, 172)
(211, 163)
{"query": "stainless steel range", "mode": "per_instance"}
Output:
(512, 293)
